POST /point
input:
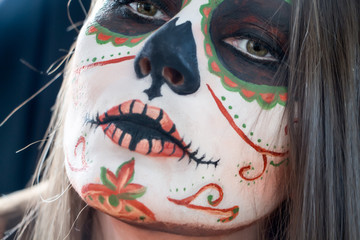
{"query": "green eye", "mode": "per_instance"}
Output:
(256, 48)
(252, 48)
(147, 9)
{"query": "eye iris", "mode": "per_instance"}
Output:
(146, 9)
(256, 48)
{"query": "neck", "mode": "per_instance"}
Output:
(114, 229)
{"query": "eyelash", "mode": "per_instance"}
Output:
(240, 44)
(160, 15)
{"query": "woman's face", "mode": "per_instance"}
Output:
(175, 118)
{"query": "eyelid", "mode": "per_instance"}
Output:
(239, 43)
(160, 15)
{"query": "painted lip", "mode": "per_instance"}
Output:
(141, 128)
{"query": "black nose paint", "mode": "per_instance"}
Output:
(170, 57)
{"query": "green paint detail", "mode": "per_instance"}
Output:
(224, 220)
(251, 134)
(238, 165)
(177, 190)
(248, 184)
(241, 181)
(132, 196)
(129, 41)
(142, 218)
(280, 163)
(235, 175)
(231, 218)
(218, 220)
(128, 208)
(230, 107)
(223, 98)
(267, 144)
(203, 177)
(87, 59)
(259, 140)
(119, 53)
(236, 116)
(170, 190)
(254, 182)
(288, 1)
(240, 86)
(104, 179)
(235, 210)
(128, 53)
(94, 59)
(274, 147)
(210, 200)
(114, 201)
(90, 198)
(184, 189)
(119, 168)
(111, 55)
(102, 57)
(184, 4)
(101, 199)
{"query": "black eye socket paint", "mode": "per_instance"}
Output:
(119, 17)
(266, 22)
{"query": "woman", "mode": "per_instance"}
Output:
(212, 119)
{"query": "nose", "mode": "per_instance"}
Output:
(169, 56)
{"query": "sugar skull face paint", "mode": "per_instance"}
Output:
(175, 112)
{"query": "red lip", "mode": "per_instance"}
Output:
(145, 129)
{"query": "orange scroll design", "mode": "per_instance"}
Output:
(225, 215)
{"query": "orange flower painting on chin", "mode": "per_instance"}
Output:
(117, 195)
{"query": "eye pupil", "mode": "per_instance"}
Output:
(256, 48)
(146, 9)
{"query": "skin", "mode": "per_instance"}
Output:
(187, 139)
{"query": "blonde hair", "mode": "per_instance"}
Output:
(55, 212)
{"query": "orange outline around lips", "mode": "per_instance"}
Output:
(168, 149)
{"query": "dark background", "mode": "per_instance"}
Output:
(35, 32)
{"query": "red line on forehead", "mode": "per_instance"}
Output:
(103, 63)
(240, 132)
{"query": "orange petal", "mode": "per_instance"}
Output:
(124, 174)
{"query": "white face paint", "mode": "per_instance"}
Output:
(161, 130)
